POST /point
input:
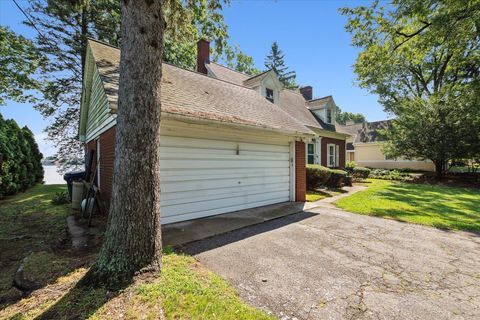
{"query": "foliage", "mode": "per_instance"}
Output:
(317, 176)
(64, 28)
(360, 172)
(61, 198)
(349, 166)
(387, 174)
(275, 61)
(432, 205)
(20, 158)
(19, 60)
(346, 117)
(338, 178)
(423, 60)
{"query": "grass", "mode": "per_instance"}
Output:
(432, 205)
(315, 195)
(184, 289)
(31, 228)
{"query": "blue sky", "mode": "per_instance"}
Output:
(311, 34)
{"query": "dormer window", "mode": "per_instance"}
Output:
(269, 95)
(329, 116)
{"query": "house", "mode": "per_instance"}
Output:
(229, 141)
(365, 147)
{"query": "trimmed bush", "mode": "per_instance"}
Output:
(360, 173)
(317, 176)
(350, 166)
(386, 174)
(337, 178)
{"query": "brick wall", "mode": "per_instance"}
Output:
(300, 172)
(340, 143)
(107, 156)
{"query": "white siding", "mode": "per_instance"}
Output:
(203, 177)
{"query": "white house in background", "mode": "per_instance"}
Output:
(365, 147)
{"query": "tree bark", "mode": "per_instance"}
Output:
(133, 236)
(439, 166)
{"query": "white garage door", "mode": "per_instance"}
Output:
(201, 177)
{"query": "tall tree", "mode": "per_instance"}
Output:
(275, 60)
(19, 61)
(423, 60)
(133, 236)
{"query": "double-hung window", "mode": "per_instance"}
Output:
(333, 155)
(310, 153)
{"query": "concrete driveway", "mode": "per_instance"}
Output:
(330, 264)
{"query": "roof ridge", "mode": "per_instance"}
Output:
(329, 96)
(231, 69)
(103, 42)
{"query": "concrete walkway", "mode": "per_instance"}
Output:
(330, 264)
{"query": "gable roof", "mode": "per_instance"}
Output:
(193, 94)
(365, 132)
(318, 103)
(227, 74)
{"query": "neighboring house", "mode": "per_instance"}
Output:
(365, 147)
(229, 141)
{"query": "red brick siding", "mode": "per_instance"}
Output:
(300, 172)
(341, 143)
(107, 156)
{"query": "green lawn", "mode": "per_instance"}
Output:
(437, 206)
(30, 226)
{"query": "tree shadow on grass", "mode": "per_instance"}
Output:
(443, 208)
(81, 302)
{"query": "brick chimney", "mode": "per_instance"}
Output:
(307, 92)
(203, 55)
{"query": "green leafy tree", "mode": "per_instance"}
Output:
(19, 61)
(275, 60)
(64, 27)
(344, 117)
(20, 158)
(423, 60)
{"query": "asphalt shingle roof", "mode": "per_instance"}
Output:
(365, 132)
(227, 74)
(196, 95)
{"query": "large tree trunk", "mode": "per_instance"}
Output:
(133, 237)
(439, 168)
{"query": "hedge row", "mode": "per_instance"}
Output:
(20, 158)
(319, 176)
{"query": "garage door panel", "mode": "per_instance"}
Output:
(174, 198)
(181, 142)
(224, 202)
(202, 177)
(167, 175)
(201, 214)
(201, 195)
(265, 156)
(221, 183)
(210, 164)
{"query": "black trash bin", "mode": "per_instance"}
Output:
(73, 176)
